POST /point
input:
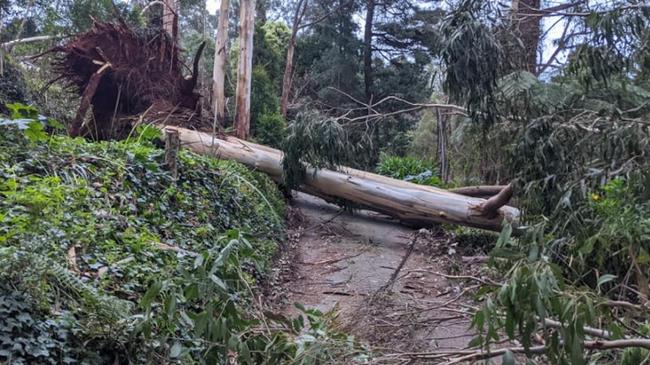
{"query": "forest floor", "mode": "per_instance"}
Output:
(343, 262)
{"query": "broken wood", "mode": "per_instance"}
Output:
(86, 98)
(410, 203)
(490, 207)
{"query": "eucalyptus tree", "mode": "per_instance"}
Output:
(244, 68)
(219, 68)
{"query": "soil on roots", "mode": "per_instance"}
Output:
(127, 76)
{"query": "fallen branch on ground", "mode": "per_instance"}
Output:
(389, 284)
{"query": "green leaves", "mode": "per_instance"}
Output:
(147, 133)
(605, 279)
(35, 132)
(150, 295)
(410, 169)
(102, 208)
(22, 111)
(315, 140)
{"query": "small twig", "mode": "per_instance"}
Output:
(596, 332)
(338, 213)
(331, 261)
(409, 251)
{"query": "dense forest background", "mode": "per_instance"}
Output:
(448, 94)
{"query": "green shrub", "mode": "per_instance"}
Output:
(270, 129)
(410, 169)
(264, 98)
(105, 258)
(90, 226)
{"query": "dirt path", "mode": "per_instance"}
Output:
(341, 261)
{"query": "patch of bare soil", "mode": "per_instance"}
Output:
(391, 286)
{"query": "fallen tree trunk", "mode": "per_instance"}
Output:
(408, 202)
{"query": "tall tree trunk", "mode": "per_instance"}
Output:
(527, 27)
(219, 69)
(260, 9)
(367, 48)
(301, 7)
(442, 146)
(244, 69)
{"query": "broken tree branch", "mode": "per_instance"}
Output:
(491, 206)
(479, 191)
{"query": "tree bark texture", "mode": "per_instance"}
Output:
(219, 69)
(367, 48)
(526, 26)
(301, 7)
(244, 69)
(442, 146)
(170, 19)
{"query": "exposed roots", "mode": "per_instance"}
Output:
(127, 76)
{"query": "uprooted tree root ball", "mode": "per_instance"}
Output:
(128, 76)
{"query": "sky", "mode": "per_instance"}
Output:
(212, 6)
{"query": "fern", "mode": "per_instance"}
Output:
(34, 265)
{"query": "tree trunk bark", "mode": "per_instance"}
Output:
(301, 7)
(219, 69)
(367, 49)
(442, 146)
(527, 27)
(244, 69)
(405, 201)
(170, 25)
(286, 78)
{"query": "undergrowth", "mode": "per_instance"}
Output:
(104, 258)
(411, 169)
